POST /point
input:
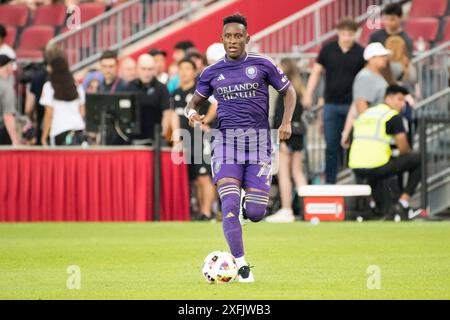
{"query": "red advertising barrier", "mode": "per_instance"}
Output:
(98, 184)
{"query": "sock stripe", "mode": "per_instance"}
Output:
(224, 193)
(229, 192)
(232, 185)
(256, 198)
(228, 187)
(256, 201)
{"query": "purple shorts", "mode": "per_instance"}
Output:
(252, 175)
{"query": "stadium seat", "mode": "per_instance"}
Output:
(13, 15)
(162, 10)
(105, 40)
(11, 36)
(90, 11)
(82, 39)
(446, 31)
(428, 8)
(50, 15)
(132, 15)
(34, 40)
(426, 28)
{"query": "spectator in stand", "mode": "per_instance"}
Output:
(369, 86)
(198, 58)
(199, 173)
(93, 86)
(179, 53)
(8, 133)
(33, 109)
(153, 100)
(90, 75)
(127, 70)
(160, 57)
(341, 60)
(64, 106)
(392, 26)
(109, 68)
(290, 166)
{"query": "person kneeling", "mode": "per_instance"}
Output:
(371, 155)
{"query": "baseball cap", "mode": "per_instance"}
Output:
(375, 49)
(4, 60)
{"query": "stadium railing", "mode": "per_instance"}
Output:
(433, 140)
(432, 69)
(305, 30)
(121, 26)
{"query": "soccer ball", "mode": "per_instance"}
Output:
(219, 267)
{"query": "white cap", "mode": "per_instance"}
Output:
(375, 49)
(215, 52)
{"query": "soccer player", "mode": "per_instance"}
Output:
(239, 82)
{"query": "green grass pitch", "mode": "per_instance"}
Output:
(163, 260)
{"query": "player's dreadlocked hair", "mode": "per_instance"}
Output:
(237, 18)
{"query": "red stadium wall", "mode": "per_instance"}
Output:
(260, 15)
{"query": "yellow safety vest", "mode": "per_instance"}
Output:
(371, 145)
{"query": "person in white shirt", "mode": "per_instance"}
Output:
(64, 106)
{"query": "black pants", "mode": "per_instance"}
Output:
(76, 139)
(4, 137)
(406, 163)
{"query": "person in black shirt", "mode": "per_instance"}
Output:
(33, 109)
(341, 60)
(153, 99)
(199, 173)
(109, 67)
(392, 26)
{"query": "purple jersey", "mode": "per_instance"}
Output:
(241, 90)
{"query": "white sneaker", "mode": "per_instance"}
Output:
(245, 275)
(283, 215)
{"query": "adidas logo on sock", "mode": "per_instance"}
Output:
(221, 77)
(229, 215)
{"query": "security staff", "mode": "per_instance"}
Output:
(371, 155)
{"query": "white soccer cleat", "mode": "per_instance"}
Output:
(283, 215)
(245, 275)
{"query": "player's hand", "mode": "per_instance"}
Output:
(196, 120)
(284, 131)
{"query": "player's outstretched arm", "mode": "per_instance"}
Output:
(285, 130)
(191, 110)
